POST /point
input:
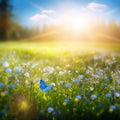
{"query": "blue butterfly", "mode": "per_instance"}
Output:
(44, 87)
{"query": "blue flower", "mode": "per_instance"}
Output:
(76, 81)
(78, 97)
(68, 85)
(93, 97)
(81, 76)
(101, 105)
(1, 85)
(11, 86)
(8, 70)
(57, 112)
(108, 95)
(118, 87)
(118, 81)
(50, 109)
(18, 69)
(66, 101)
(112, 108)
(1, 113)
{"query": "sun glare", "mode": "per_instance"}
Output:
(78, 22)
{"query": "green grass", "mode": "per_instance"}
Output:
(87, 70)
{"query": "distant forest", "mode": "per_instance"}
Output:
(12, 30)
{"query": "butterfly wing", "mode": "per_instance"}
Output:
(42, 85)
(48, 88)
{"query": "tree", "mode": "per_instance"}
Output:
(114, 28)
(5, 17)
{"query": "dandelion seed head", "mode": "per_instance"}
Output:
(91, 88)
(90, 68)
(58, 67)
(48, 70)
(27, 74)
(88, 72)
(117, 94)
(61, 72)
(53, 84)
(112, 88)
(5, 64)
(68, 65)
(77, 71)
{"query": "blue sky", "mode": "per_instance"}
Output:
(33, 12)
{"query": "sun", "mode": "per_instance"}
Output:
(80, 24)
(76, 20)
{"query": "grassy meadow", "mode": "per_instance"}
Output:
(85, 80)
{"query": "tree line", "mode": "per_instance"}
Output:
(12, 30)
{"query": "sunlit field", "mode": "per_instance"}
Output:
(59, 59)
(59, 81)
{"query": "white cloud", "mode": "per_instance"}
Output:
(38, 17)
(48, 11)
(49, 16)
(46, 16)
(97, 7)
